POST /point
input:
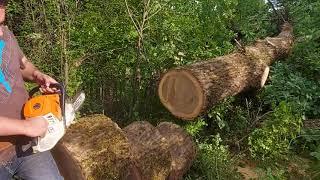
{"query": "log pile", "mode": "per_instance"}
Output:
(95, 148)
(190, 90)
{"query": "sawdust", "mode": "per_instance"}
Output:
(99, 146)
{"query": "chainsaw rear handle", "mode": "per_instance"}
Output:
(62, 93)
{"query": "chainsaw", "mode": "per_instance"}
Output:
(58, 110)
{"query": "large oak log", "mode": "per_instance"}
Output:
(162, 152)
(150, 150)
(182, 149)
(95, 148)
(190, 90)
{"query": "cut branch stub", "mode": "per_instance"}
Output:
(191, 90)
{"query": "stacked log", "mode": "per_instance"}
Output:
(167, 150)
(149, 149)
(95, 148)
(182, 149)
(191, 90)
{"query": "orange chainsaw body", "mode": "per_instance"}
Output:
(43, 105)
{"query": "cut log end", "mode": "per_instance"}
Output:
(265, 76)
(181, 93)
(98, 147)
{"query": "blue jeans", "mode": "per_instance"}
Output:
(39, 166)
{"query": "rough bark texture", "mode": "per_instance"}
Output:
(190, 90)
(150, 150)
(312, 123)
(182, 149)
(95, 148)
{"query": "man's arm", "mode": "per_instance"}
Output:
(28, 70)
(32, 127)
(31, 73)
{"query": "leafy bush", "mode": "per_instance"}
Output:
(306, 19)
(253, 20)
(195, 128)
(288, 84)
(272, 140)
(311, 138)
(213, 162)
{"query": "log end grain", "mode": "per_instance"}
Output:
(99, 147)
(181, 93)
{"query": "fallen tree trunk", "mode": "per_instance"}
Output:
(190, 90)
(95, 148)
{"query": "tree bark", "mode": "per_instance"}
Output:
(149, 150)
(311, 123)
(165, 152)
(182, 149)
(191, 90)
(95, 148)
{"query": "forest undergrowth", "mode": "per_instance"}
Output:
(117, 50)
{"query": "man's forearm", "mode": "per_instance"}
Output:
(28, 70)
(10, 127)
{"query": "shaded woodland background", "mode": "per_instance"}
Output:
(117, 50)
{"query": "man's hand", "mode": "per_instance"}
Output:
(44, 81)
(35, 127)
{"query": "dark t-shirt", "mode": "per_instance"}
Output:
(12, 91)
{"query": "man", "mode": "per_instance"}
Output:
(15, 133)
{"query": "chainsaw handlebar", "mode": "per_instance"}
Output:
(59, 86)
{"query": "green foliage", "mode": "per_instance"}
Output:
(296, 80)
(312, 142)
(305, 16)
(288, 84)
(253, 20)
(221, 114)
(272, 140)
(214, 161)
(275, 174)
(196, 127)
(97, 45)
